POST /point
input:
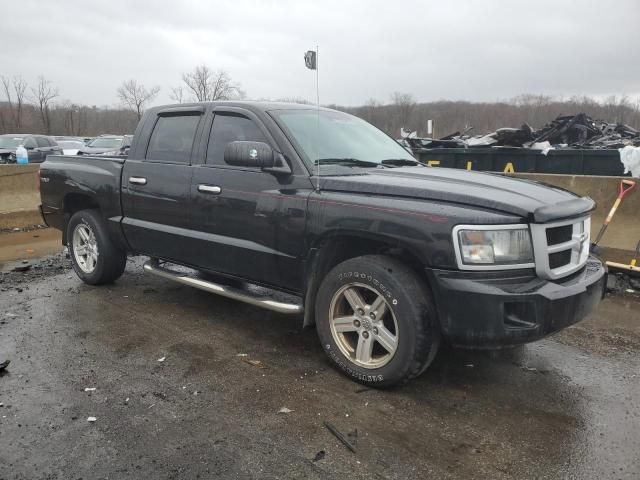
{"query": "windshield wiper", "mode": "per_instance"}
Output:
(399, 162)
(349, 162)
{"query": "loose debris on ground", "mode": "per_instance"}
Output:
(254, 363)
(319, 456)
(623, 283)
(340, 436)
(566, 131)
(28, 228)
(15, 277)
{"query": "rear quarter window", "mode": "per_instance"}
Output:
(172, 139)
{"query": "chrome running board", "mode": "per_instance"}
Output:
(154, 267)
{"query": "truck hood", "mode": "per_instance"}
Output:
(525, 198)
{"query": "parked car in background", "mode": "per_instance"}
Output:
(71, 147)
(106, 143)
(38, 147)
(123, 151)
(57, 138)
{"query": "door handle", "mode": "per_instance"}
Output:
(138, 180)
(209, 189)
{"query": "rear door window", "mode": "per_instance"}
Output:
(30, 143)
(230, 128)
(172, 139)
(42, 142)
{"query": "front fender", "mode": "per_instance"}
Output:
(421, 227)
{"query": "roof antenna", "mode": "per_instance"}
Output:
(311, 62)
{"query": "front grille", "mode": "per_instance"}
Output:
(560, 248)
(557, 235)
(559, 259)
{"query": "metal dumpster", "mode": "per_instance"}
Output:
(507, 159)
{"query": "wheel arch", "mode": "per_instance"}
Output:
(337, 246)
(74, 202)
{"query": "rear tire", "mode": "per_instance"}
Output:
(376, 320)
(94, 256)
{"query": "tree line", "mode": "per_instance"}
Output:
(37, 108)
(484, 117)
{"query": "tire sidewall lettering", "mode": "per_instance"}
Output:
(349, 370)
(373, 281)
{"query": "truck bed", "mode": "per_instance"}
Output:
(69, 179)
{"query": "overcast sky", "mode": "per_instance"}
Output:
(473, 50)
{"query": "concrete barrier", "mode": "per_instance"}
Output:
(19, 196)
(623, 232)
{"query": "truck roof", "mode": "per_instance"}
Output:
(248, 104)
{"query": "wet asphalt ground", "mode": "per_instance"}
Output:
(564, 407)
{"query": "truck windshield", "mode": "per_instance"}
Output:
(330, 137)
(106, 142)
(10, 141)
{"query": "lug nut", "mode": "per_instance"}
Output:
(372, 315)
(360, 311)
(356, 323)
(365, 334)
(375, 331)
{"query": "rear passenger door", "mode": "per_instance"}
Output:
(155, 187)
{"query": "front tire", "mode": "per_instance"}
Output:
(94, 256)
(376, 320)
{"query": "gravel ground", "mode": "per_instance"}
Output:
(564, 407)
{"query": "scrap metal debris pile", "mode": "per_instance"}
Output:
(566, 131)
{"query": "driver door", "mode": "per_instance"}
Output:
(250, 223)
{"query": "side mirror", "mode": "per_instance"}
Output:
(256, 155)
(249, 154)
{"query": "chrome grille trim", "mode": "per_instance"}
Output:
(578, 245)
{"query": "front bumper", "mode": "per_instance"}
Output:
(493, 310)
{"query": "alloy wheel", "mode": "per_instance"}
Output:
(85, 248)
(363, 325)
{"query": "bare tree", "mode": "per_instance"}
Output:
(404, 106)
(135, 96)
(6, 85)
(20, 89)
(43, 93)
(177, 94)
(207, 85)
(67, 114)
(15, 107)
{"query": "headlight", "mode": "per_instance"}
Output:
(493, 247)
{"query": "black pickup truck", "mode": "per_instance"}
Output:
(317, 213)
